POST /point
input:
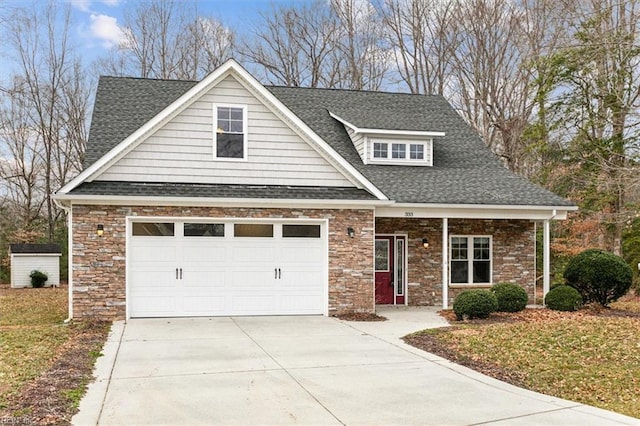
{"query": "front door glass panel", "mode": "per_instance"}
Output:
(382, 255)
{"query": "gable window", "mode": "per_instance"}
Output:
(390, 151)
(230, 139)
(471, 260)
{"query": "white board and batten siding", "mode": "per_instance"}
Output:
(23, 264)
(182, 150)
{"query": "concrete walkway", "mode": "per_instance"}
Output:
(303, 370)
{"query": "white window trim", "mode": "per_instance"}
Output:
(426, 143)
(470, 259)
(245, 132)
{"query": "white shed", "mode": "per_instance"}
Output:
(29, 257)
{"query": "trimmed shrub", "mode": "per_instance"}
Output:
(474, 304)
(563, 298)
(511, 297)
(38, 278)
(599, 276)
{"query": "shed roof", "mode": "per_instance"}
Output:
(50, 248)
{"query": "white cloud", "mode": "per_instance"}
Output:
(105, 28)
(83, 5)
(111, 2)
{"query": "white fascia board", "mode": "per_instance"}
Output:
(69, 199)
(353, 175)
(370, 131)
(475, 211)
(139, 135)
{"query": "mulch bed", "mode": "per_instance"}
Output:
(361, 316)
(44, 401)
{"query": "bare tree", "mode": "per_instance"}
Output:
(292, 45)
(168, 39)
(362, 59)
(51, 88)
(21, 167)
(494, 80)
(422, 34)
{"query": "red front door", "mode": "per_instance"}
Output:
(384, 260)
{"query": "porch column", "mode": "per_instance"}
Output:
(445, 263)
(546, 258)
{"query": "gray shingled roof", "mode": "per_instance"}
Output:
(28, 248)
(222, 191)
(464, 169)
(123, 105)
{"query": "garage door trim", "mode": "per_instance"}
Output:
(229, 222)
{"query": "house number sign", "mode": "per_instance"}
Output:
(408, 214)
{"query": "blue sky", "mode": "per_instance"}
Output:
(96, 22)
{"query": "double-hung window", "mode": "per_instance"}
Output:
(230, 139)
(471, 260)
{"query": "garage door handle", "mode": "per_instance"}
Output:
(275, 273)
(176, 273)
(180, 273)
(279, 273)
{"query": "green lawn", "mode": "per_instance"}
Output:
(32, 332)
(592, 359)
(45, 364)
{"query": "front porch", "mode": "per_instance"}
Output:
(429, 261)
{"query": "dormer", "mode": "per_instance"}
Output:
(386, 146)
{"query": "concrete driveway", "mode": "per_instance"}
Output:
(302, 370)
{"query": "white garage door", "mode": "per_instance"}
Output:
(182, 268)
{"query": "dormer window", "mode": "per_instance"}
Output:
(390, 151)
(230, 136)
(380, 145)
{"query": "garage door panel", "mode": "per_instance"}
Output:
(204, 279)
(205, 305)
(301, 254)
(250, 279)
(148, 277)
(253, 304)
(302, 278)
(206, 253)
(261, 253)
(155, 306)
(148, 252)
(301, 303)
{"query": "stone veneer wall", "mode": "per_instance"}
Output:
(513, 253)
(99, 262)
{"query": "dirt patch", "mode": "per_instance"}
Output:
(361, 316)
(52, 398)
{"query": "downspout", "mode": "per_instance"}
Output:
(69, 213)
(546, 257)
